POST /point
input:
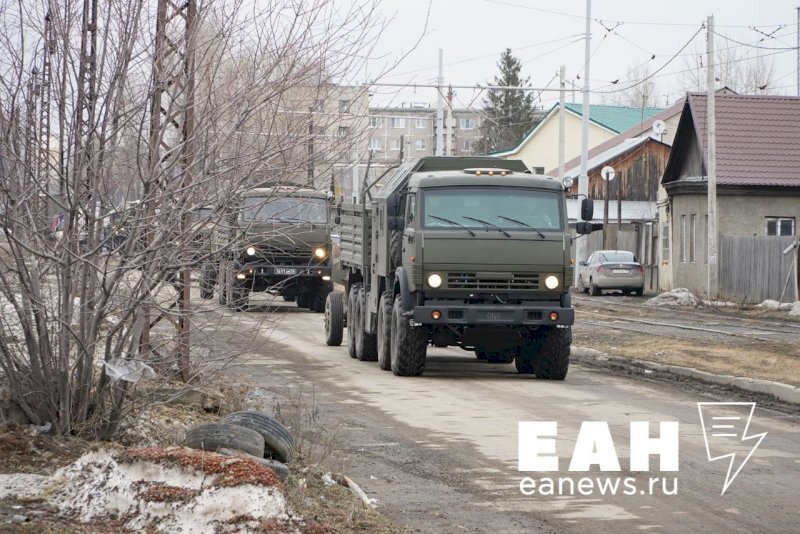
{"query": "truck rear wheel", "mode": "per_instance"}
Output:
(553, 360)
(408, 345)
(366, 344)
(385, 330)
(302, 300)
(208, 277)
(334, 318)
(319, 295)
(352, 319)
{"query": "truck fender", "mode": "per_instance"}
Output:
(405, 293)
(566, 299)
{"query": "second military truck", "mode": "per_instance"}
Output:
(468, 252)
(279, 242)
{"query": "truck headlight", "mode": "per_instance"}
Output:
(251, 251)
(551, 282)
(320, 253)
(434, 280)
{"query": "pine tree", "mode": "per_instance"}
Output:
(508, 114)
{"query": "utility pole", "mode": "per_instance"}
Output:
(583, 179)
(439, 107)
(798, 50)
(448, 144)
(713, 273)
(561, 122)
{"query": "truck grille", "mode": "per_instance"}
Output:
(479, 282)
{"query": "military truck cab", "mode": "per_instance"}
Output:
(468, 252)
(281, 246)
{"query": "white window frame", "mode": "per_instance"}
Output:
(683, 239)
(421, 144)
(778, 221)
(421, 123)
(467, 124)
(375, 122)
(692, 237)
(466, 144)
(395, 144)
(397, 122)
(376, 143)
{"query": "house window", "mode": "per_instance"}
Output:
(421, 144)
(376, 144)
(467, 124)
(344, 106)
(397, 122)
(394, 144)
(780, 225)
(422, 122)
(375, 121)
(705, 248)
(466, 145)
(665, 242)
(692, 236)
(343, 131)
(682, 255)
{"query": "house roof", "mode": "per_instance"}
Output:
(613, 118)
(758, 138)
(599, 158)
(636, 131)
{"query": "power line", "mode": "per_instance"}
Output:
(754, 45)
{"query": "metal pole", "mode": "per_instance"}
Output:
(713, 281)
(583, 180)
(439, 107)
(798, 50)
(561, 122)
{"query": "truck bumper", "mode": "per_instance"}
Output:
(496, 315)
(257, 270)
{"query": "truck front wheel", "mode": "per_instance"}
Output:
(408, 345)
(334, 318)
(545, 354)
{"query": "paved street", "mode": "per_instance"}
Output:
(440, 451)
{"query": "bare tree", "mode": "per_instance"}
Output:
(640, 91)
(99, 185)
(742, 69)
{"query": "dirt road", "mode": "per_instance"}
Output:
(440, 451)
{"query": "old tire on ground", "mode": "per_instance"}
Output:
(208, 277)
(553, 360)
(302, 300)
(334, 318)
(213, 436)
(319, 295)
(385, 330)
(278, 442)
(593, 289)
(366, 343)
(408, 345)
(279, 468)
(352, 319)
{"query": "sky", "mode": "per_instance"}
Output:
(545, 35)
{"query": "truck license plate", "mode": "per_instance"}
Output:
(496, 316)
(620, 271)
(285, 270)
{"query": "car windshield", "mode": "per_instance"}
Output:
(287, 209)
(487, 207)
(615, 256)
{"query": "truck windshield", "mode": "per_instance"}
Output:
(506, 208)
(287, 209)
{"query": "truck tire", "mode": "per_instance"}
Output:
(480, 353)
(212, 437)
(366, 343)
(287, 298)
(501, 356)
(278, 441)
(553, 360)
(302, 300)
(352, 319)
(385, 330)
(319, 295)
(334, 318)
(396, 249)
(208, 277)
(408, 345)
(528, 353)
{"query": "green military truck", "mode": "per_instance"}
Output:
(279, 242)
(469, 252)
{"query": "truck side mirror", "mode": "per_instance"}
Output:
(587, 209)
(583, 227)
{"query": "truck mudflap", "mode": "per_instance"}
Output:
(490, 314)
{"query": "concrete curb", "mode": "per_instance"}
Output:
(783, 392)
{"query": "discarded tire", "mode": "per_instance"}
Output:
(278, 441)
(279, 468)
(213, 436)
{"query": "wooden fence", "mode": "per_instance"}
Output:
(754, 268)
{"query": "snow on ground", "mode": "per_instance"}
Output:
(770, 304)
(677, 297)
(167, 490)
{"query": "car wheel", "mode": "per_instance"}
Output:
(638, 291)
(594, 289)
(581, 286)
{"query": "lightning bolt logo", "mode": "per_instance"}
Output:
(724, 428)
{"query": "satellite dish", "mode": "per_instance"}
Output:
(659, 127)
(608, 173)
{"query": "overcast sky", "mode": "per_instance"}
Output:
(545, 34)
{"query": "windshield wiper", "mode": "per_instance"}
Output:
(453, 222)
(523, 224)
(487, 223)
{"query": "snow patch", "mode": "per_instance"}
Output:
(770, 304)
(795, 310)
(679, 296)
